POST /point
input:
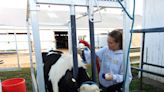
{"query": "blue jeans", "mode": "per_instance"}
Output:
(114, 88)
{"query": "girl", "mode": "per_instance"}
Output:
(111, 63)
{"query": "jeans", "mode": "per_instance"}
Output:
(114, 88)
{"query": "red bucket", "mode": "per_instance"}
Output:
(14, 85)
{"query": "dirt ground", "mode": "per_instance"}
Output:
(10, 59)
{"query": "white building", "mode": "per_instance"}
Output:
(154, 42)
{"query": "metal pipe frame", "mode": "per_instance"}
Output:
(82, 3)
(142, 58)
(35, 29)
(159, 66)
(126, 40)
(16, 47)
(92, 42)
(149, 30)
(37, 46)
(17, 55)
(161, 75)
(74, 44)
(34, 83)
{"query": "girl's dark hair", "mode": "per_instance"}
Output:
(117, 35)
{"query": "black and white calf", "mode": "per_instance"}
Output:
(49, 58)
(58, 74)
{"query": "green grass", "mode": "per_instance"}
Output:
(135, 85)
(23, 73)
(89, 70)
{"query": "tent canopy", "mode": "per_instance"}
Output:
(14, 14)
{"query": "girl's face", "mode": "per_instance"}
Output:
(112, 44)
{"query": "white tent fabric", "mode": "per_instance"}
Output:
(12, 17)
(13, 13)
(10, 14)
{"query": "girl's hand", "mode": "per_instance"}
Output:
(108, 76)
